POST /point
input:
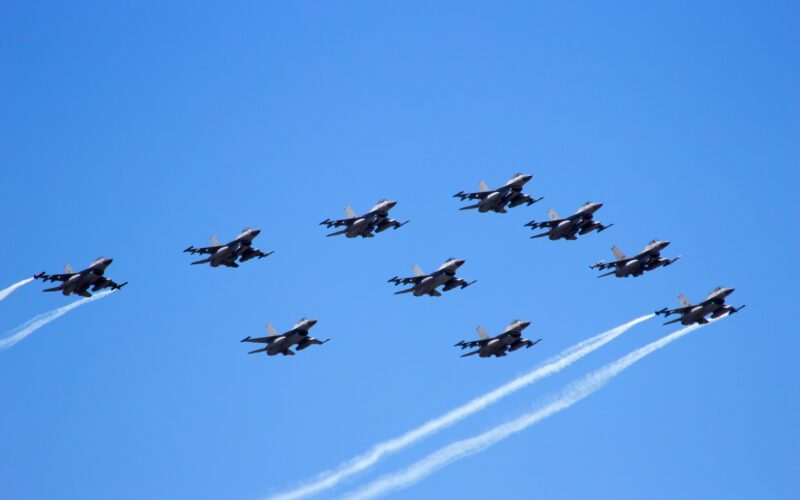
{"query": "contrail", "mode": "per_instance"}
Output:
(25, 329)
(330, 479)
(8, 291)
(460, 449)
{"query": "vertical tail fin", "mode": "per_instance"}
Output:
(552, 214)
(617, 253)
(482, 333)
(683, 300)
(349, 213)
(417, 270)
(215, 241)
(68, 268)
(271, 330)
(483, 187)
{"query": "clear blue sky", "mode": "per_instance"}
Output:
(134, 130)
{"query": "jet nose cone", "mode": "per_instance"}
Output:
(108, 261)
(255, 232)
(597, 206)
(664, 244)
(526, 177)
(525, 324)
(312, 322)
(460, 263)
(390, 203)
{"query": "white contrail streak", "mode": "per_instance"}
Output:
(25, 329)
(330, 479)
(8, 291)
(460, 449)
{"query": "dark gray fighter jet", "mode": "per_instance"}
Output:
(426, 284)
(281, 343)
(240, 248)
(713, 304)
(377, 220)
(579, 223)
(80, 282)
(508, 341)
(496, 200)
(647, 260)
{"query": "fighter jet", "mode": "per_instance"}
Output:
(240, 248)
(647, 260)
(426, 284)
(714, 305)
(281, 343)
(377, 220)
(579, 223)
(508, 341)
(80, 282)
(510, 194)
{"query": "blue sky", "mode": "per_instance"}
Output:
(134, 130)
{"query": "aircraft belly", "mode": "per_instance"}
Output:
(278, 346)
(490, 202)
(426, 285)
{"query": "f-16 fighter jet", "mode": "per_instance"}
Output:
(80, 282)
(647, 260)
(426, 284)
(377, 220)
(281, 343)
(510, 194)
(240, 248)
(579, 223)
(714, 305)
(508, 341)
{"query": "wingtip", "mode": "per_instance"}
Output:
(245, 339)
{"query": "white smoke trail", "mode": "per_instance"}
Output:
(25, 329)
(460, 449)
(8, 291)
(330, 479)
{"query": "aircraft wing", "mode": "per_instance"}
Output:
(110, 284)
(405, 281)
(54, 277)
(474, 343)
(608, 265)
(545, 224)
(261, 340)
(472, 196)
(679, 310)
(338, 223)
(203, 251)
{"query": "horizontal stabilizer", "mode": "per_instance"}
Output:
(263, 349)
